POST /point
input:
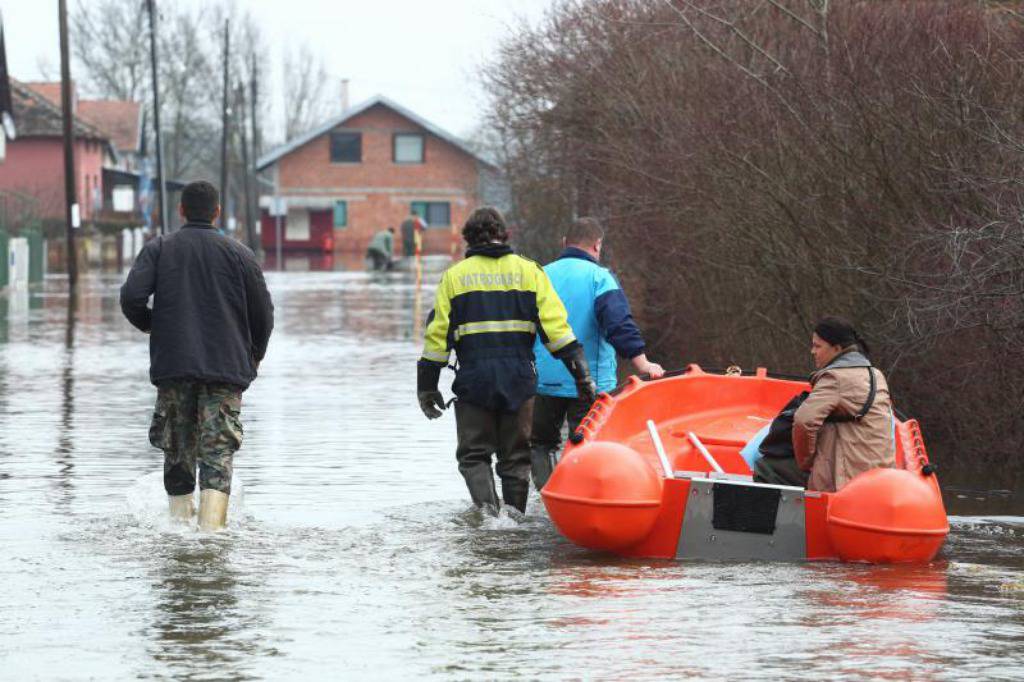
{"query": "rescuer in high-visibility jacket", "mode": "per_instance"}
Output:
(489, 308)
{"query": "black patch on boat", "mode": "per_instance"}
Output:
(745, 508)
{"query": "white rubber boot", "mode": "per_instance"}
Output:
(181, 507)
(213, 509)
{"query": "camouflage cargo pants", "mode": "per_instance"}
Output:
(197, 424)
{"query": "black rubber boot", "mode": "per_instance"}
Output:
(515, 492)
(542, 463)
(481, 489)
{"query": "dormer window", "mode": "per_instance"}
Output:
(346, 147)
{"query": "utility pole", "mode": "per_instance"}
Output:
(224, 131)
(255, 126)
(253, 104)
(161, 187)
(277, 227)
(71, 215)
(246, 184)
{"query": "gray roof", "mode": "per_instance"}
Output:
(290, 146)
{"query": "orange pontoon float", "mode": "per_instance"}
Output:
(655, 470)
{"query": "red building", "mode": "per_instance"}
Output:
(108, 140)
(119, 120)
(34, 164)
(368, 169)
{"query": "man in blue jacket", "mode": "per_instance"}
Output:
(600, 317)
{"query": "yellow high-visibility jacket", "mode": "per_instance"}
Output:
(489, 308)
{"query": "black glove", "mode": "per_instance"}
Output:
(576, 362)
(431, 402)
(427, 375)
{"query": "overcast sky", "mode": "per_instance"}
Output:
(424, 54)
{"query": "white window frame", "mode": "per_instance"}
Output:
(394, 148)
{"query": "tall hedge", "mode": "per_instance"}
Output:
(762, 164)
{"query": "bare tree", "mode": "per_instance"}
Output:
(307, 95)
(761, 164)
(110, 45)
(112, 49)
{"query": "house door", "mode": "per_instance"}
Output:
(322, 230)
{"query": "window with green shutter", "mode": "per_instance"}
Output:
(341, 214)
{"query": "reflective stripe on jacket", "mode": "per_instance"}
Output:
(489, 309)
(600, 318)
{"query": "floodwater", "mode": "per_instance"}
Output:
(352, 552)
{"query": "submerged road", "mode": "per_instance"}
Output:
(352, 552)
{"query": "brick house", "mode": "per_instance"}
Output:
(121, 123)
(34, 164)
(367, 169)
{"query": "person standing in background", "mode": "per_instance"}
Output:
(411, 228)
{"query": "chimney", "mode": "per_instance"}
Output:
(344, 94)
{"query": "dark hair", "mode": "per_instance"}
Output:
(839, 332)
(199, 201)
(584, 231)
(484, 225)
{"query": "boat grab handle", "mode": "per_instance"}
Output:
(660, 448)
(704, 451)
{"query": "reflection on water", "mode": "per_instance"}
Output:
(198, 612)
(356, 554)
(65, 443)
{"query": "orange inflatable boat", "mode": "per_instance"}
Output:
(655, 470)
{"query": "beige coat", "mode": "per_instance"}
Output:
(835, 452)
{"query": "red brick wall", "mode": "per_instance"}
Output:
(378, 191)
(35, 166)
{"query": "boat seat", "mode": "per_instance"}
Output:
(738, 479)
(725, 476)
(730, 477)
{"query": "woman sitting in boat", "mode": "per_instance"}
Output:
(844, 426)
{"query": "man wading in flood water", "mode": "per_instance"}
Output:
(489, 309)
(209, 327)
(600, 317)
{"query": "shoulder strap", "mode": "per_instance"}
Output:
(873, 387)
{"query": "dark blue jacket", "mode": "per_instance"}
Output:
(211, 317)
(489, 308)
